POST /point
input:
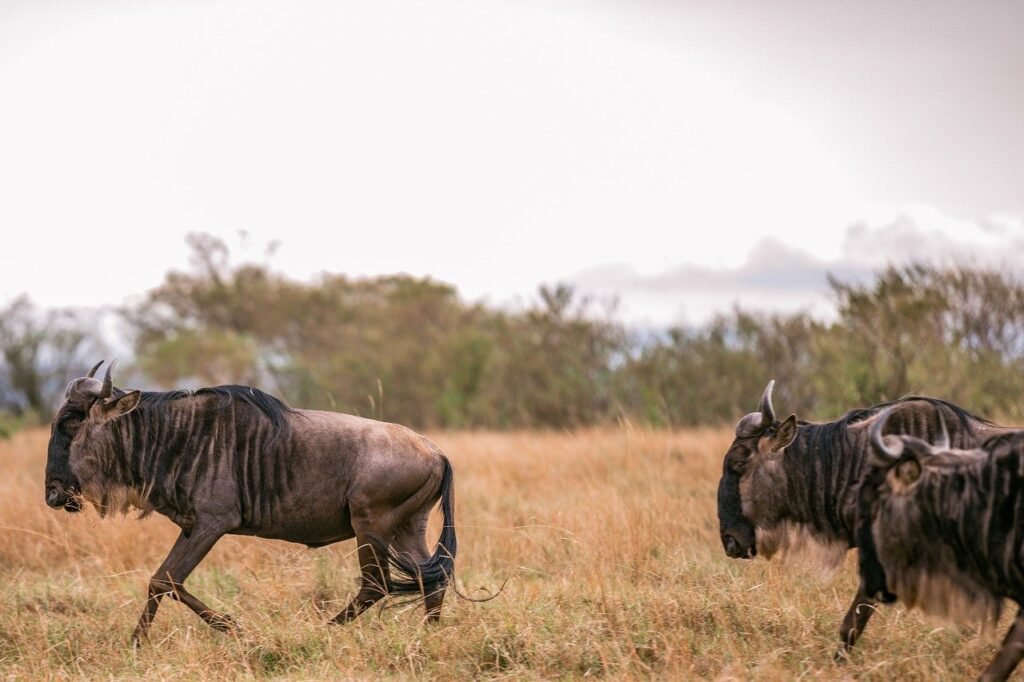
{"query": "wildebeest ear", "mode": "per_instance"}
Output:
(784, 434)
(119, 406)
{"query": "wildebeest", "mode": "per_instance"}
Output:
(943, 529)
(235, 460)
(792, 483)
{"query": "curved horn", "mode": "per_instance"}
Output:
(943, 442)
(751, 425)
(92, 372)
(878, 441)
(755, 423)
(108, 383)
(765, 407)
(84, 386)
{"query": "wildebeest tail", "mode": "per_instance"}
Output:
(411, 577)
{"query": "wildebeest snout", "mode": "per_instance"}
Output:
(58, 496)
(735, 548)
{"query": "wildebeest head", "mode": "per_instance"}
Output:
(760, 438)
(894, 469)
(77, 427)
(897, 461)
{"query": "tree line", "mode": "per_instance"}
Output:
(410, 350)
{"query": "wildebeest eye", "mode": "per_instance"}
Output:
(69, 425)
(738, 461)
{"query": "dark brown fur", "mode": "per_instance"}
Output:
(234, 460)
(944, 532)
(790, 485)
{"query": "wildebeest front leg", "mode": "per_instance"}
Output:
(375, 577)
(168, 580)
(856, 620)
(1010, 654)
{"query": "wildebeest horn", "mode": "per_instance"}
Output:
(750, 425)
(765, 408)
(108, 383)
(943, 442)
(89, 385)
(878, 440)
(755, 423)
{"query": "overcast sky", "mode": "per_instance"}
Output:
(684, 156)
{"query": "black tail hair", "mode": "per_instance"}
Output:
(433, 575)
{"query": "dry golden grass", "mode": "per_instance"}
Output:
(608, 539)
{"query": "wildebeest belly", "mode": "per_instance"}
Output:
(313, 527)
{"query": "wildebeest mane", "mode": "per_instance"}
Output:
(1010, 438)
(830, 459)
(860, 414)
(274, 409)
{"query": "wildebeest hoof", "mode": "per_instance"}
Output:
(222, 622)
(841, 655)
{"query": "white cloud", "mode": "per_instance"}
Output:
(780, 276)
(924, 232)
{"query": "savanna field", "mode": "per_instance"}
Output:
(607, 539)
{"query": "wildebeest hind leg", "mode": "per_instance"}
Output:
(411, 543)
(375, 577)
(185, 555)
(1010, 654)
(856, 620)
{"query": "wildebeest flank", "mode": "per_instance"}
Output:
(788, 483)
(943, 529)
(234, 460)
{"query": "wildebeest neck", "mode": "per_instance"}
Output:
(155, 454)
(824, 465)
(821, 468)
